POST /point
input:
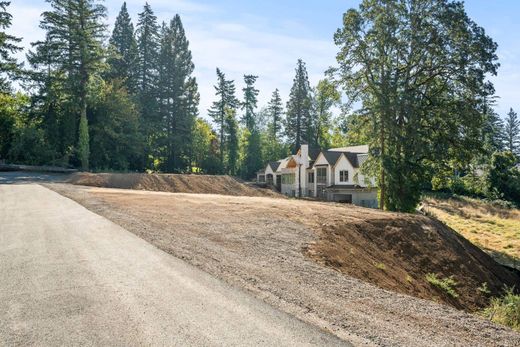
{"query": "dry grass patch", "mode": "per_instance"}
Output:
(493, 228)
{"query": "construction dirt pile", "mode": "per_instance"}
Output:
(411, 255)
(195, 184)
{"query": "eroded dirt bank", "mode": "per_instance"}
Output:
(265, 246)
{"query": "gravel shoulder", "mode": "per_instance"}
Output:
(253, 243)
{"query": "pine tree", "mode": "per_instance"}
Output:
(178, 95)
(123, 62)
(148, 49)
(494, 133)
(299, 127)
(275, 109)
(147, 79)
(252, 151)
(8, 64)
(512, 132)
(74, 34)
(232, 145)
(250, 101)
(225, 91)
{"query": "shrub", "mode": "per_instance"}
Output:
(505, 310)
(446, 284)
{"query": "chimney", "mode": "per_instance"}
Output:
(304, 156)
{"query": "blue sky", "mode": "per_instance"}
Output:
(267, 37)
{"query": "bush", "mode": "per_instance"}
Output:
(446, 284)
(505, 310)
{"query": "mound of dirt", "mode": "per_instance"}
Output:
(398, 251)
(196, 184)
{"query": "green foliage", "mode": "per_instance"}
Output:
(300, 123)
(275, 115)
(231, 141)
(124, 58)
(250, 102)
(505, 310)
(116, 142)
(227, 102)
(11, 113)
(447, 284)
(178, 97)
(503, 178)
(205, 148)
(29, 146)
(251, 147)
(419, 120)
(8, 46)
(512, 132)
(326, 96)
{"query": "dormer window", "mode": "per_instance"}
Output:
(343, 176)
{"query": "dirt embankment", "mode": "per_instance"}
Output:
(397, 252)
(313, 260)
(194, 184)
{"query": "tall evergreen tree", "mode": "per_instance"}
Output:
(123, 61)
(147, 79)
(232, 141)
(275, 109)
(299, 127)
(178, 96)
(252, 158)
(512, 132)
(8, 46)
(225, 91)
(250, 101)
(74, 34)
(494, 133)
(148, 49)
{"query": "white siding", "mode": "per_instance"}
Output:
(344, 164)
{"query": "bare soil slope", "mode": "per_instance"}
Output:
(195, 184)
(313, 260)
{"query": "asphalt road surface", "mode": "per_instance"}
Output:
(71, 277)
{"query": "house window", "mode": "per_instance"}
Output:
(343, 176)
(311, 177)
(321, 175)
(288, 179)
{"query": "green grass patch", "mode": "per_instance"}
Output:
(446, 284)
(505, 310)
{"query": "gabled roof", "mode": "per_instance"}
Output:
(274, 165)
(313, 153)
(332, 157)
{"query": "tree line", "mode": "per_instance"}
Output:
(129, 100)
(413, 76)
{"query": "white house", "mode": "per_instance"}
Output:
(333, 175)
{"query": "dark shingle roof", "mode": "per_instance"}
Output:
(274, 165)
(313, 153)
(332, 157)
(353, 158)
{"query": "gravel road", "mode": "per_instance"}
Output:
(71, 277)
(254, 243)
